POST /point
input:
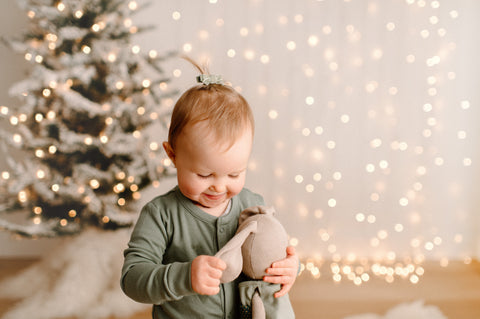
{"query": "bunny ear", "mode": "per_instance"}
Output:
(255, 210)
(231, 253)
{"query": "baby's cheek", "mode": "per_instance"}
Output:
(190, 186)
(236, 187)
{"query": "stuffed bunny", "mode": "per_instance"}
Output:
(259, 241)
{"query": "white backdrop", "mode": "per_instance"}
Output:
(367, 136)
(367, 140)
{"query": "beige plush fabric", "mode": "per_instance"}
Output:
(265, 246)
(260, 240)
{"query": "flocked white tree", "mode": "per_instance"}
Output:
(81, 121)
(82, 132)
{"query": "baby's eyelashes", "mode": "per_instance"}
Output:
(210, 175)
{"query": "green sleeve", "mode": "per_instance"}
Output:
(144, 278)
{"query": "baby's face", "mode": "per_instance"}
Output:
(209, 173)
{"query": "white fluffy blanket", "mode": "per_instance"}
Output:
(79, 278)
(414, 310)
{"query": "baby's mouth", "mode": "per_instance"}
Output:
(214, 197)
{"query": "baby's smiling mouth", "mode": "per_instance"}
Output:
(215, 196)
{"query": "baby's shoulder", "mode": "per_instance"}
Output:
(248, 198)
(163, 202)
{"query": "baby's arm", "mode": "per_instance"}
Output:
(283, 272)
(144, 276)
(206, 274)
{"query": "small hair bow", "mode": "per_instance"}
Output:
(210, 79)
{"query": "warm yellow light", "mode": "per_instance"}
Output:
(112, 57)
(41, 174)
(17, 138)
(133, 5)
(22, 196)
(118, 188)
(78, 14)
(176, 15)
(94, 184)
(146, 83)
(86, 49)
(119, 85)
(136, 196)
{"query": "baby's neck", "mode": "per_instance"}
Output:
(216, 211)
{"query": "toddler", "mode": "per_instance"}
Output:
(169, 261)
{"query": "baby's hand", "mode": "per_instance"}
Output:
(206, 273)
(283, 272)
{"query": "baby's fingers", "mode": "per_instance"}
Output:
(283, 291)
(280, 271)
(283, 280)
(277, 279)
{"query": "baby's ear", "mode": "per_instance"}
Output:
(169, 150)
(231, 253)
(255, 210)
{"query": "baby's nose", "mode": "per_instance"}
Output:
(218, 187)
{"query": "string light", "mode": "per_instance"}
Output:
(133, 5)
(61, 6)
(94, 184)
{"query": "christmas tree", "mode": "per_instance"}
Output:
(82, 124)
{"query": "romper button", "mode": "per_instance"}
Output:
(222, 230)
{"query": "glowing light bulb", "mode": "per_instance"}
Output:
(332, 202)
(291, 45)
(95, 27)
(112, 57)
(132, 5)
(17, 138)
(119, 85)
(40, 174)
(94, 184)
(78, 14)
(313, 40)
(176, 15)
(86, 49)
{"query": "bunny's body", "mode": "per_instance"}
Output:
(260, 240)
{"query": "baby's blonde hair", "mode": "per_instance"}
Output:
(226, 111)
